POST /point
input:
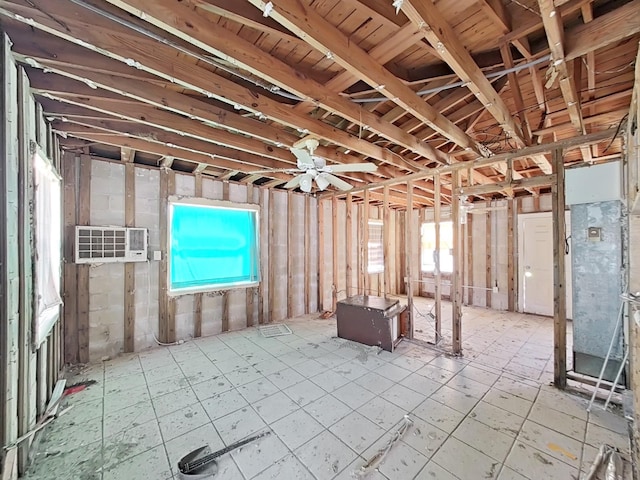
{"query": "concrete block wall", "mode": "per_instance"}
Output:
(106, 282)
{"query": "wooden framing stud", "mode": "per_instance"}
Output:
(559, 287)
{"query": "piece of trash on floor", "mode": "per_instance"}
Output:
(201, 463)
(78, 387)
(378, 457)
(609, 456)
(559, 449)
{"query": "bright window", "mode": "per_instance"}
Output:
(48, 244)
(213, 245)
(375, 262)
(429, 247)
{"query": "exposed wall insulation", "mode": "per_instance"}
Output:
(106, 281)
(27, 377)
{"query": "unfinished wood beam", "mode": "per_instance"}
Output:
(511, 256)
(111, 43)
(555, 37)
(349, 243)
(84, 218)
(409, 262)
(489, 262)
(290, 244)
(334, 251)
(386, 241)
(69, 171)
(307, 254)
(321, 255)
(559, 287)
(251, 291)
(456, 284)
(365, 243)
(166, 304)
(568, 143)
(264, 234)
(197, 300)
(470, 269)
(182, 21)
(306, 22)
(437, 212)
(127, 154)
(129, 267)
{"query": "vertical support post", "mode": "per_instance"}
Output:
(385, 240)
(470, 259)
(421, 220)
(225, 293)
(438, 276)
(197, 300)
(511, 257)
(307, 253)
(559, 287)
(290, 241)
(334, 250)
(489, 264)
(264, 233)
(360, 250)
(365, 243)
(71, 353)
(409, 251)
(456, 294)
(349, 242)
(84, 218)
(270, 257)
(249, 292)
(321, 255)
(129, 267)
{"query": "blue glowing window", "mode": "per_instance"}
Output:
(212, 247)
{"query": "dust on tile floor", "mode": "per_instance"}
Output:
(331, 404)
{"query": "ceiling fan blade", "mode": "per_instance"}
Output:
(273, 170)
(294, 182)
(335, 181)
(351, 167)
(305, 160)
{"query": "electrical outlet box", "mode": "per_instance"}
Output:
(157, 255)
(594, 234)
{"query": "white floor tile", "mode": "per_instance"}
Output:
(327, 410)
(238, 425)
(465, 462)
(223, 404)
(325, 456)
(296, 428)
(256, 457)
(353, 395)
(275, 407)
(357, 431)
(304, 392)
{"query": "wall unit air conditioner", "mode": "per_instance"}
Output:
(110, 244)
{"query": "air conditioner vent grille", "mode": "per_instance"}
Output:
(110, 244)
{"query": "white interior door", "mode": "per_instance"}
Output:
(535, 265)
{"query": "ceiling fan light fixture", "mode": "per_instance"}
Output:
(305, 183)
(322, 182)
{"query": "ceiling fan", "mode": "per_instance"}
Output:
(313, 168)
(468, 207)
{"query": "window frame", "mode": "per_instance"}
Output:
(378, 268)
(433, 270)
(45, 316)
(219, 204)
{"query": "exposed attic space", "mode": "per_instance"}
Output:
(432, 206)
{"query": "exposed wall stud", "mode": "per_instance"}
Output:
(559, 287)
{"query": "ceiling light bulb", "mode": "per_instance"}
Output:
(267, 9)
(398, 5)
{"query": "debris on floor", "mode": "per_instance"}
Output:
(609, 461)
(379, 456)
(201, 463)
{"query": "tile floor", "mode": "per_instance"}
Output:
(330, 405)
